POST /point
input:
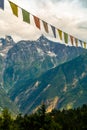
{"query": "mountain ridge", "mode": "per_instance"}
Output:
(24, 63)
(38, 56)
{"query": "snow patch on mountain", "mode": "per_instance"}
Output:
(40, 51)
(51, 54)
(37, 84)
(2, 54)
(5, 50)
(45, 43)
(45, 89)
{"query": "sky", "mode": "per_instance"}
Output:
(69, 16)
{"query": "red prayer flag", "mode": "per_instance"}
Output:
(37, 21)
(76, 41)
(71, 38)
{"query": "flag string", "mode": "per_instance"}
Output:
(63, 36)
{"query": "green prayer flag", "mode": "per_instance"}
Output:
(26, 16)
(65, 37)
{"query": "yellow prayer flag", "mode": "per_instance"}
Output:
(14, 8)
(85, 45)
(60, 34)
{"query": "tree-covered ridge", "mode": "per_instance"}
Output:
(73, 119)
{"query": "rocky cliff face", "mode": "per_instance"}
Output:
(5, 101)
(5, 45)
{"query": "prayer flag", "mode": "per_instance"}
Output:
(76, 41)
(37, 21)
(2, 4)
(26, 16)
(14, 8)
(65, 37)
(71, 38)
(45, 26)
(60, 34)
(80, 42)
(85, 45)
(54, 31)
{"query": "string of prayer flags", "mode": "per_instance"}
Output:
(14, 8)
(45, 26)
(2, 4)
(37, 21)
(65, 37)
(60, 33)
(54, 30)
(26, 16)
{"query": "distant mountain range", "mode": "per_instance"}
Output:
(42, 71)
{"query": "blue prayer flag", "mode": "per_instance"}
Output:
(2, 4)
(54, 31)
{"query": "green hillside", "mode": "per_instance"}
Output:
(60, 87)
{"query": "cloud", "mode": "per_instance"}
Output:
(70, 16)
(65, 14)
